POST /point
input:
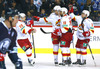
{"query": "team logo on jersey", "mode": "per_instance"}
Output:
(4, 45)
(84, 44)
(63, 42)
(24, 48)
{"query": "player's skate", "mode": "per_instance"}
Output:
(83, 63)
(64, 62)
(69, 62)
(56, 62)
(31, 61)
(77, 62)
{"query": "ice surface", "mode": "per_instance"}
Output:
(45, 61)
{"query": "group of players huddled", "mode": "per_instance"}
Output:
(62, 36)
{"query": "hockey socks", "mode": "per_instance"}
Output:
(55, 53)
(29, 55)
(81, 56)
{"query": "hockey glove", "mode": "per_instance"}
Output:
(30, 31)
(36, 18)
(30, 23)
(86, 33)
(58, 32)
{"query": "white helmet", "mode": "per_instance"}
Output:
(57, 7)
(86, 12)
(22, 15)
(63, 9)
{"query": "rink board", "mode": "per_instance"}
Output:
(43, 43)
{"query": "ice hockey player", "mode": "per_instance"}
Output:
(54, 19)
(23, 34)
(8, 37)
(66, 36)
(83, 36)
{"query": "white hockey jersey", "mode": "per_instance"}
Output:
(66, 23)
(22, 30)
(87, 23)
(53, 19)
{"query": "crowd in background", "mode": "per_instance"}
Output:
(43, 8)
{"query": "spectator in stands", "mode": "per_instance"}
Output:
(67, 2)
(43, 14)
(1, 6)
(22, 5)
(27, 4)
(45, 6)
(70, 8)
(88, 6)
(33, 9)
(2, 18)
(99, 7)
(75, 7)
(95, 5)
(29, 16)
(57, 2)
(81, 4)
(95, 8)
(38, 4)
(98, 16)
(11, 9)
(15, 7)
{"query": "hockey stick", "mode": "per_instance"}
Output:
(88, 43)
(33, 43)
(73, 35)
(44, 31)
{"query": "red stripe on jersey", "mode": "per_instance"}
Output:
(84, 53)
(59, 20)
(68, 54)
(64, 54)
(66, 28)
(78, 52)
(29, 55)
(45, 19)
(55, 53)
(92, 31)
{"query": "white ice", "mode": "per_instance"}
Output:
(45, 61)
